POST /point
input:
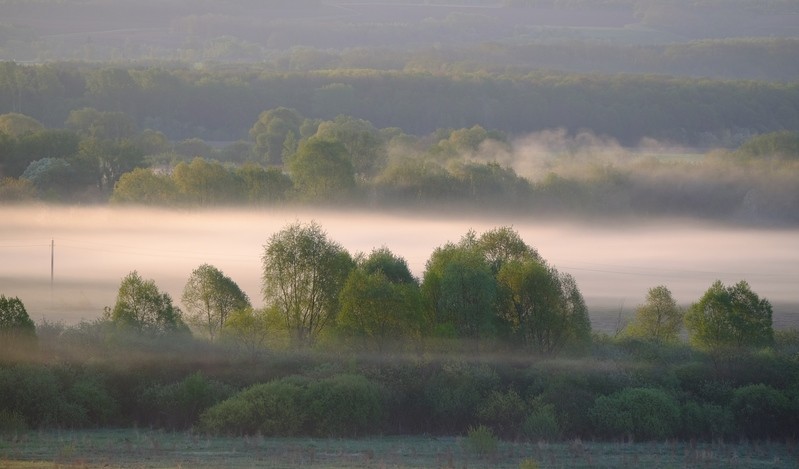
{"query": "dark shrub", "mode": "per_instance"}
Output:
(760, 411)
(341, 405)
(454, 394)
(504, 412)
(179, 405)
(642, 413)
(705, 421)
(541, 422)
(344, 405)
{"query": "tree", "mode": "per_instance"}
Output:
(210, 297)
(272, 129)
(248, 328)
(144, 186)
(321, 171)
(730, 317)
(502, 245)
(380, 300)
(17, 125)
(543, 307)
(363, 142)
(303, 273)
(659, 319)
(263, 185)
(206, 183)
(14, 319)
(142, 308)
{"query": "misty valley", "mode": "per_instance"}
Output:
(317, 233)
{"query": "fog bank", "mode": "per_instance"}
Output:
(614, 264)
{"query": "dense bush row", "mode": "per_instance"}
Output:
(624, 389)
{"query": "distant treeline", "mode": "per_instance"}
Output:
(220, 104)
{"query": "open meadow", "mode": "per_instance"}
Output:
(134, 448)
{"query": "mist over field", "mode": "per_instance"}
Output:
(614, 263)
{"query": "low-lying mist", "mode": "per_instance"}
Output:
(614, 263)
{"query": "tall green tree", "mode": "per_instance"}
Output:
(271, 130)
(660, 319)
(363, 142)
(303, 273)
(14, 319)
(732, 316)
(141, 307)
(207, 183)
(144, 186)
(380, 301)
(543, 307)
(210, 297)
(321, 171)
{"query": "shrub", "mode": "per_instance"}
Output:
(12, 422)
(760, 411)
(454, 394)
(504, 412)
(341, 405)
(706, 421)
(277, 408)
(344, 405)
(179, 405)
(480, 440)
(541, 423)
(89, 393)
(642, 413)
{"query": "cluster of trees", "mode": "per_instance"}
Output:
(584, 36)
(642, 385)
(491, 290)
(290, 158)
(220, 104)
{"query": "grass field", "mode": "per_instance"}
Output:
(131, 448)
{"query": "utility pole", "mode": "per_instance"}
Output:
(52, 266)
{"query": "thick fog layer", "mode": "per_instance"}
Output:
(614, 263)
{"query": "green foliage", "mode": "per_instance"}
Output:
(503, 412)
(17, 125)
(12, 422)
(271, 131)
(659, 319)
(783, 144)
(14, 319)
(342, 405)
(641, 413)
(179, 405)
(541, 423)
(303, 273)
(142, 308)
(144, 186)
(455, 393)
(481, 441)
(375, 309)
(210, 297)
(761, 411)
(706, 421)
(206, 183)
(730, 317)
(321, 171)
(263, 186)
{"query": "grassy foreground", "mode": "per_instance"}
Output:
(131, 448)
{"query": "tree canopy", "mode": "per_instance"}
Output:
(141, 307)
(210, 297)
(303, 272)
(733, 316)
